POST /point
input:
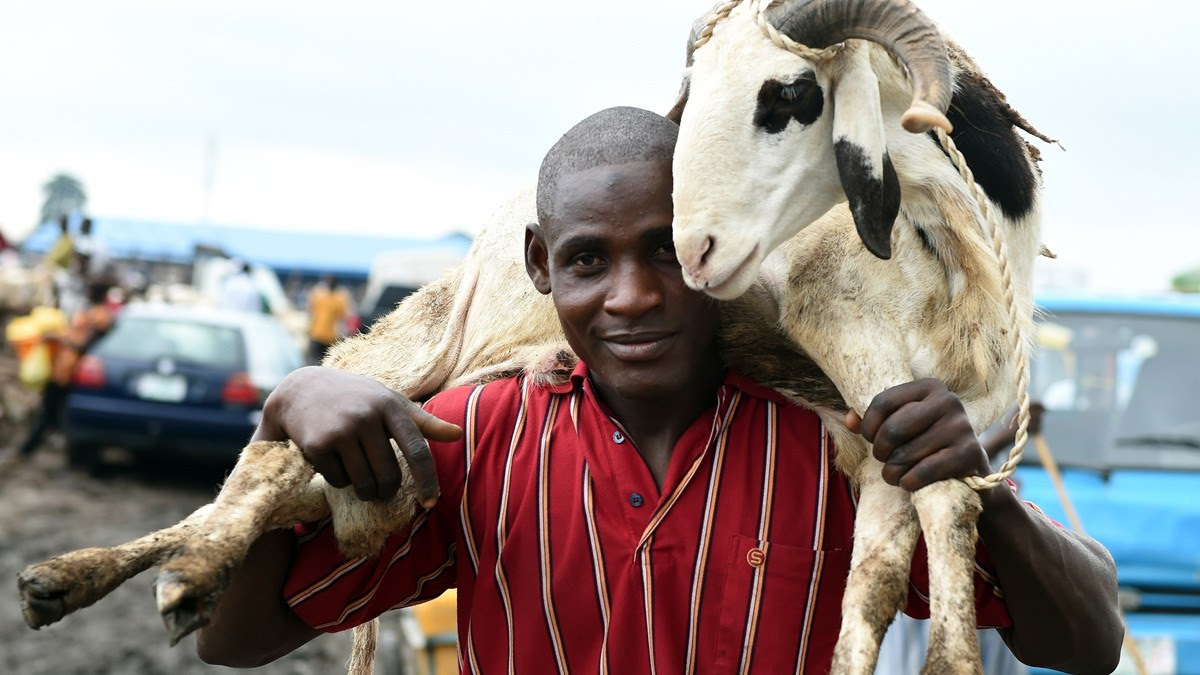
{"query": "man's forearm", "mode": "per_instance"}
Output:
(1060, 588)
(253, 625)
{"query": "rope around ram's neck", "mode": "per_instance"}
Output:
(991, 231)
(759, 10)
(1016, 341)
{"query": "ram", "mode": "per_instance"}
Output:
(773, 145)
(793, 109)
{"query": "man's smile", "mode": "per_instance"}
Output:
(639, 346)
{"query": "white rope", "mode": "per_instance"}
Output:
(1016, 340)
(991, 230)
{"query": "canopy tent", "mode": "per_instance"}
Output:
(346, 256)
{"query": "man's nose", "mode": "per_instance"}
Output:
(635, 290)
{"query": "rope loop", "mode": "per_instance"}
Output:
(758, 9)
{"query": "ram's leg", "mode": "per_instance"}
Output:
(268, 475)
(885, 534)
(63, 584)
(948, 511)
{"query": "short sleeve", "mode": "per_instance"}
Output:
(331, 592)
(990, 609)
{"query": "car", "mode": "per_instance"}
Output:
(177, 383)
(1119, 377)
(395, 275)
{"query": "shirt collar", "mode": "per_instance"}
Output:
(733, 380)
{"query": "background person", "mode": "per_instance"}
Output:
(91, 253)
(239, 292)
(327, 307)
(85, 327)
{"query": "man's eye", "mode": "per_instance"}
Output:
(666, 247)
(586, 260)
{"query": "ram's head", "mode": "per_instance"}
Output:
(770, 140)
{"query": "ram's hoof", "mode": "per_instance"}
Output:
(183, 609)
(42, 600)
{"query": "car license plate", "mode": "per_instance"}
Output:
(1158, 653)
(167, 388)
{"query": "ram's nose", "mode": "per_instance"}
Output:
(693, 252)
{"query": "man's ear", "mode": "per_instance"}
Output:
(537, 258)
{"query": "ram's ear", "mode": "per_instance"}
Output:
(676, 112)
(860, 146)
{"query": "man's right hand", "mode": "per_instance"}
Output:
(342, 422)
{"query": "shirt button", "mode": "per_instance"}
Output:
(636, 500)
(618, 437)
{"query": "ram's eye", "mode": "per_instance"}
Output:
(794, 91)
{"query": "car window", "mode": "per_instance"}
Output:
(185, 341)
(1120, 390)
(274, 350)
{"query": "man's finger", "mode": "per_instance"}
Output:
(889, 401)
(362, 477)
(404, 430)
(903, 458)
(435, 428)
(937, 467)
(330, 466)
(381, 457)
(853, 421)
(904, 426)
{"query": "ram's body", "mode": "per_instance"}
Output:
(770, 139)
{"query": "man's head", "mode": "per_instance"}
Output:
(85, 227)
(603, 251)
(63, 223)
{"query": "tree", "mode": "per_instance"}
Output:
(64, 194)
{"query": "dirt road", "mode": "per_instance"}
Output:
(47, 509)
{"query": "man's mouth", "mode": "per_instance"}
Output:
(639, 346)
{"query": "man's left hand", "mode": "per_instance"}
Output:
(921, 433)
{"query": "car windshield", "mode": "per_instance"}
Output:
(1120, 391)
(187, 342)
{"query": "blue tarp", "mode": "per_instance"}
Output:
(306, 253)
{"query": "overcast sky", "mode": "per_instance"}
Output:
(419, 118)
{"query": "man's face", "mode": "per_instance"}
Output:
(607, 259)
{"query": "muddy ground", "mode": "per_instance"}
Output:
(47, 508)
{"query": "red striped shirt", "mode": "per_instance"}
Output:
(567, 557)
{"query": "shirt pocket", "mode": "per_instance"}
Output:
(779, 604)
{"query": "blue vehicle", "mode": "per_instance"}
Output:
(176, 383)
(1120, 380)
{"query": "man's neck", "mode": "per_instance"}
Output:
(655, 425)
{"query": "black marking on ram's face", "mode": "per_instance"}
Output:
(984, 133)
(874, 200)
(781, 102)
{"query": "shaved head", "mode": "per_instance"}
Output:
(611, 137)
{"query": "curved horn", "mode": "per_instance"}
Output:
(898, 26)
(698, 25)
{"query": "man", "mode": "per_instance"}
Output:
(656, 513)
(326, 307)
(239, 292)
(86, 326)
(91, 253)
(63, 249)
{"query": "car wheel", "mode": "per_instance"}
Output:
(83, 456)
